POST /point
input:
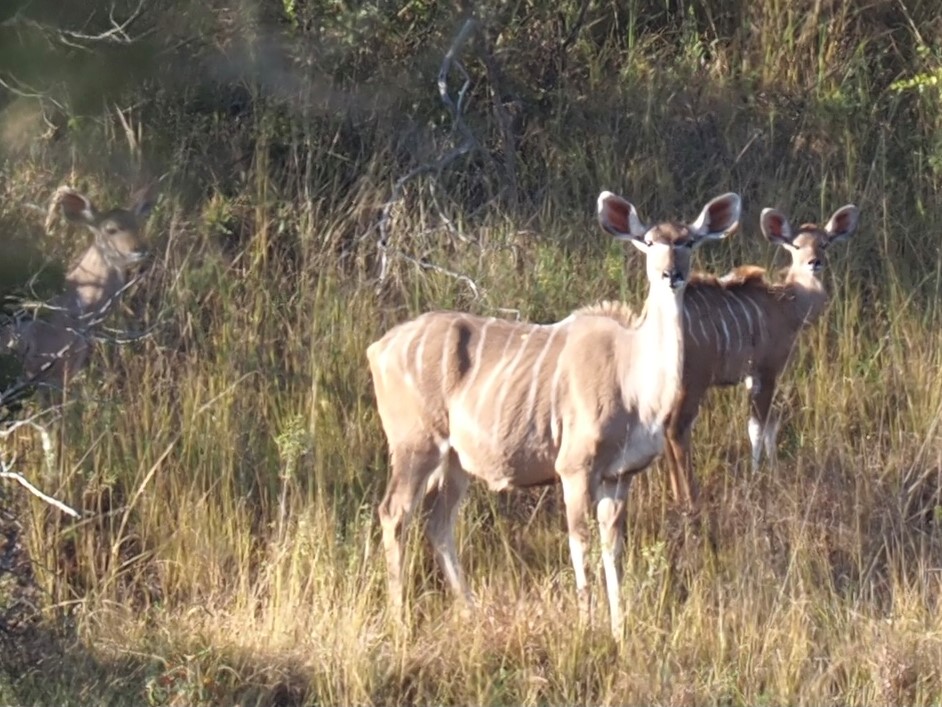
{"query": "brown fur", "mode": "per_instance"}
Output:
(613, 309)
(515, 405)
(744, 327)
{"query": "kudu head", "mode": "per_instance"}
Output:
(668, 245)
(117, 232)
(808, 245)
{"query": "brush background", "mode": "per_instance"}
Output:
(232, 460)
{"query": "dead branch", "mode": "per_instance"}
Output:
(118, 32)
(7, 473)
(504, 119)
(456, 109)
(424, 264)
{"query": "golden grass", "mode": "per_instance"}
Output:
(232, 462)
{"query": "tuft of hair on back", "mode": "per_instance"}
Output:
(744, 275)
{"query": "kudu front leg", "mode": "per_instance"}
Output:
(577, 499)
(612, 513)
(763, 429)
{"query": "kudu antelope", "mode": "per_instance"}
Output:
(583, 401)
(54, 348)
(742, 327)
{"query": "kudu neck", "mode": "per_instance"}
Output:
(809, 295)
(659, 350)
(93, 283)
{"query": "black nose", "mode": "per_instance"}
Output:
(815, 263)
(674, 276)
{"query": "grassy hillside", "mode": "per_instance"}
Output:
(230, 461)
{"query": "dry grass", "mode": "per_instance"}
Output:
(231, 463)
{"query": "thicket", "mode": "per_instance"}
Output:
(229, 461)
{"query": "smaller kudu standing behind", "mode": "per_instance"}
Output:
(583, 401)
(55, 347)
(743, 328)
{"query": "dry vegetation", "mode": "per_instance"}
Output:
(229, 464)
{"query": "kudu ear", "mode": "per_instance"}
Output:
(143, 200)
(76, 207)
(618, 217)
(718, 219)
(842, 224)
(775, 227)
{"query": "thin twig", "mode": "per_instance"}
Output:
(426, 265)
(458, 125)
(6, 473)
(117, 33)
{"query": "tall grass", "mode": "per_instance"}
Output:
(231, 462)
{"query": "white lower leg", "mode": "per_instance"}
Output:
(448, 561)
(577, 550)
(755, 439)
(612, 546)
(770, 439)
(49, 450)
(610, 557)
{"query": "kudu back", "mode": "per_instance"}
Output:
(743, 328)
(53, 345)
(582, 401)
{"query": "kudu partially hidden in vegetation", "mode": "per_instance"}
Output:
(515, 404)
(742, 327)
(54, 345)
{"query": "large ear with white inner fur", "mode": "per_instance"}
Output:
(775, 227)
(619, 217)
(718, 219)
(76, 207)
(143, 201)
(842, 224)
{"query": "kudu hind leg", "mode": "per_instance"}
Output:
(677, 452)
(577, 498)
(442, 503)
(411, 465)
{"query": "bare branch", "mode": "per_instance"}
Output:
(117, 33)
(455, 108)
(396, 195)
(6, 473)
(426, 265)
(504, 119)
(24, 91)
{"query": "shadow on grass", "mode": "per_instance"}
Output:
(44, 660)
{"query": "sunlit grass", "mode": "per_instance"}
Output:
(231, 462)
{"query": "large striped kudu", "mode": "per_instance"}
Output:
(743, 328)
(583, 401)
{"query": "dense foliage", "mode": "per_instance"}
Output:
(230, 460)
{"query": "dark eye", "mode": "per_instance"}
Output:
(111, 230)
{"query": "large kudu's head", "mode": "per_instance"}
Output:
(668, 245)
